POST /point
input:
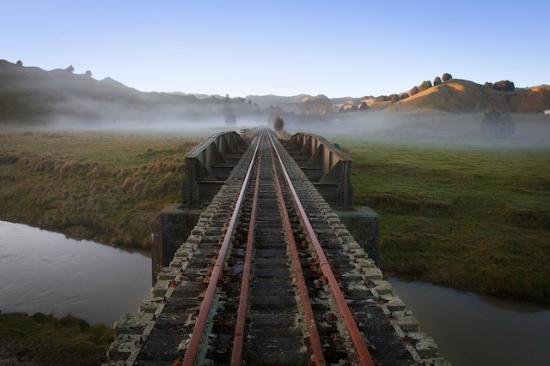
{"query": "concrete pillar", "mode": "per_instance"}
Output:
(170, 229)
(362, 223)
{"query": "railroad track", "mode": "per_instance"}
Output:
(270, 281)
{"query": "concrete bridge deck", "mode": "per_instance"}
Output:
(270, 274)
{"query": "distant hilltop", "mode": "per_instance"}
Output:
(455, 95)
(34, 96)
(443, 94)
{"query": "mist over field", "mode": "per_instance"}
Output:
(451, 112)
(433, 127)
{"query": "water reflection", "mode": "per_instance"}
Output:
(479, 330)
(47, 272)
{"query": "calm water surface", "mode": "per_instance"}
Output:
(47, 272)
(479, 330)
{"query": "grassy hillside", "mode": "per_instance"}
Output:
(104, 187)
(463, 95)
(44, 340)
(475, 219)
(31, 95)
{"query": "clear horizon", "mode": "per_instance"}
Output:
(240, 48)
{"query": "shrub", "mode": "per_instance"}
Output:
(497, 125)
(381, 98)
(488, 85)
(426, 84)
(279, 124)
(446, 77)
(70, 68)
(394, 98)
(437, 81)
(88, 74)
(363, 106)
(403, 96)
(504, 85)
(19, 63)
(413, 91)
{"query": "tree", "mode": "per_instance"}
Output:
(70, 68)
(363, 106)
(88, 74)
(19, 63)
(279, 124)
(488, 85)
(413, 91)
(504, 85)
(394, 98)
(437, 81)
(446, 77)
(426, 84)
(403, 96)
(497, 125)
(229, 115)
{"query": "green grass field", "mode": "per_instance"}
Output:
(104, 187)
(469, 218)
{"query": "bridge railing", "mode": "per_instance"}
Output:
(208, 165)
(326, 165)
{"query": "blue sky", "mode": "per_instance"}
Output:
(337, 48)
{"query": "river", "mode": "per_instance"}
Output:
(43, 271)
(47, 272)
(474, 330)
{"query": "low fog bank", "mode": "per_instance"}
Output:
(161, 124)
(517, 130)
(33, 98)
(522, 130)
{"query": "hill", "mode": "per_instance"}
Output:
(32, 95)
(463, 95)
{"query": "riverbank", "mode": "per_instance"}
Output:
(40, 339)
(105, 187)
(474, 218)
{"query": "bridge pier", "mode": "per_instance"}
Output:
(362, 223)
(170, 229)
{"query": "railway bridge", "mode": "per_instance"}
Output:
(259, 267)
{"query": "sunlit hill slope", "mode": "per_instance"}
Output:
(462, 95)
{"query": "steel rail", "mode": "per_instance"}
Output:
(236, 351)
(315, 348)
(206, 304)
(361, 351)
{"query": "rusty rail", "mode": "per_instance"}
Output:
(236, 352)
(314, 345)
(206, 304)
(361, 351)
